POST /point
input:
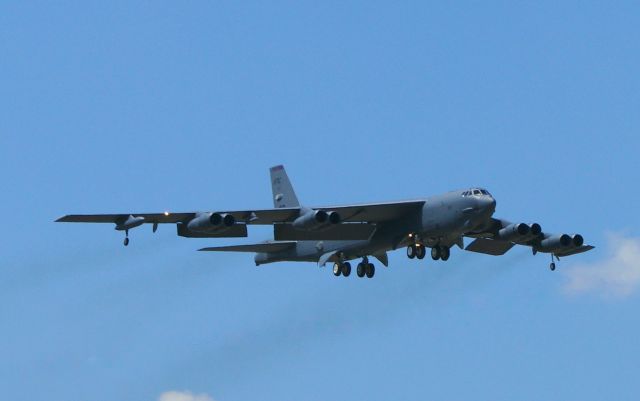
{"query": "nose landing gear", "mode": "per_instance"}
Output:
(342, 268)
(416, 248)
(411, 251)
(126, 238)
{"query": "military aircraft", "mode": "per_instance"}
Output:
(339, 234)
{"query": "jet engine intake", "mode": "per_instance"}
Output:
(316, 220)
(578, 240)
(208, 222)
(334, 217)
(535, 229)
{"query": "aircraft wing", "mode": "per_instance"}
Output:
(265, 216)
(357, 222)
(499, 236)
(360, 213)
(115, 218)
(375, 212)
(266, 247)
(370, 213)
(489, 246)
(575, 251)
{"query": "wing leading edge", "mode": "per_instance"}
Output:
(265, 247)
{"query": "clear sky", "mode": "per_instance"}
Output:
(183, 106)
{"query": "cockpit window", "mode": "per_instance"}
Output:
(478, 191)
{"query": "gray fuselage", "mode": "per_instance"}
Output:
(442, 221)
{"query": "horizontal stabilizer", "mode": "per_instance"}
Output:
(574, 251)
(489, 246)
(349, 231)
(265, 247)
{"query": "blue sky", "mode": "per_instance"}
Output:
(153, 106)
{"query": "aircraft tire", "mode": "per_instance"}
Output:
(552, 266)
(371, 270)
(421, 251)
(435, 253)
(360, 270)
(346, 269)
(445, 253)
(411, 251)
(337, 269)
(126, 241)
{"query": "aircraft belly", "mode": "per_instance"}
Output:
(313, 250)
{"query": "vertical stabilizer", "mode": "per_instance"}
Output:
(283, 194)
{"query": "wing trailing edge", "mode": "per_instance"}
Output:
(489, 246)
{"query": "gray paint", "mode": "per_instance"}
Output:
(341, 233)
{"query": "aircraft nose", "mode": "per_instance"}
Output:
(487, 203)
(492, 203)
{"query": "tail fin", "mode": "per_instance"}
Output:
(283, 194)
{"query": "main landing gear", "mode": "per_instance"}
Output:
(126, 238)
(440, 252)
(437, 252)
(364, 268)
(416, 251)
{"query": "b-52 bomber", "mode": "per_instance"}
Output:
(339, 234)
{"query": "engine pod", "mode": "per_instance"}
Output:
(208, 222)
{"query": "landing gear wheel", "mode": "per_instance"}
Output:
(411, 251)
(444, 253)
(360, 270)
(337, 269)
(346, 269)
(371, 270)
(126, 241)
(552, 266)
(420, 251)
(435, 253)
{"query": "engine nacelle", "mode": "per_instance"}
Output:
(514, 231)
(556, 242)
(208, 222)
(316, 220)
